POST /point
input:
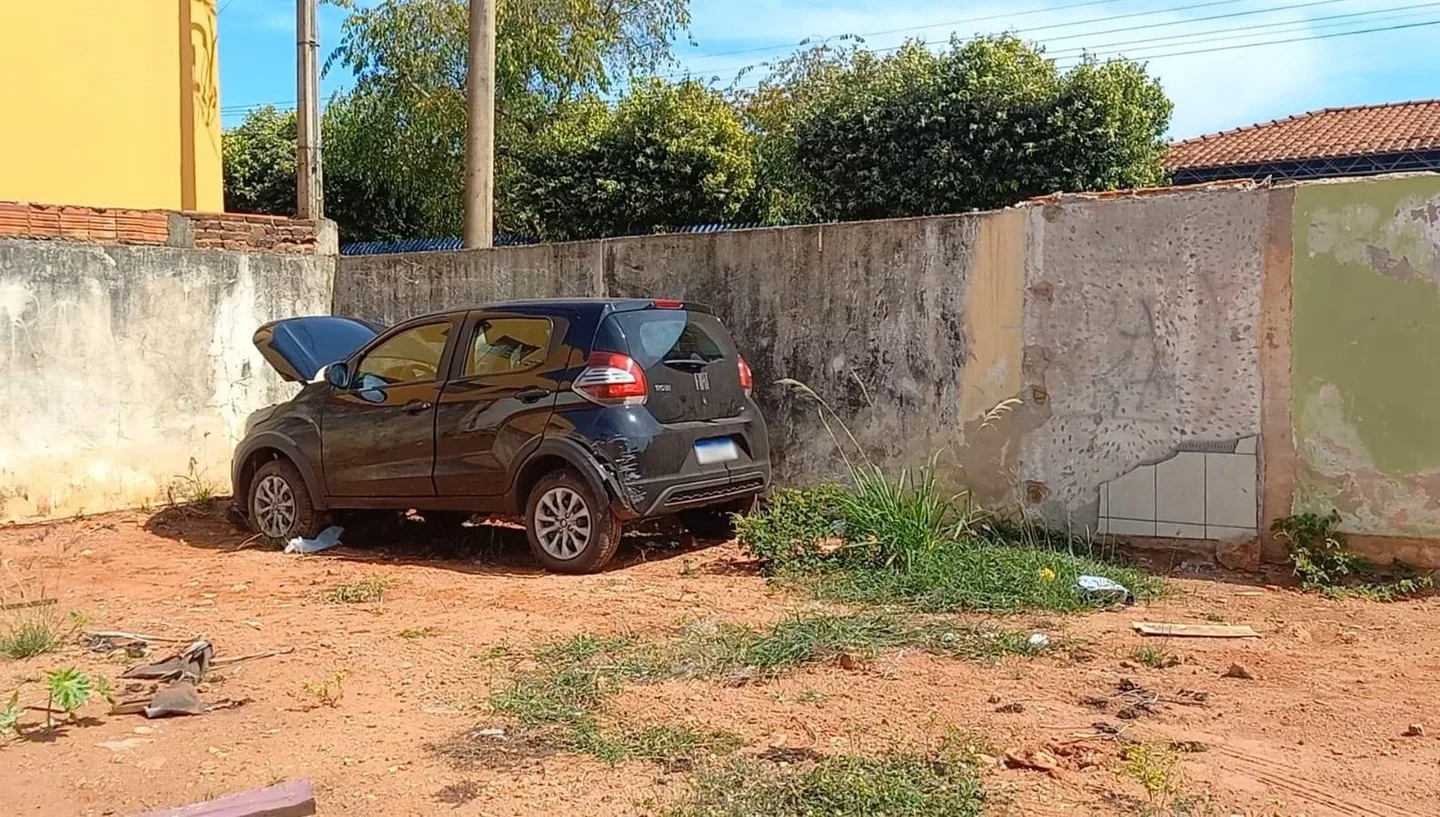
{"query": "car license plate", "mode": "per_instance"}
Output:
(709, 452)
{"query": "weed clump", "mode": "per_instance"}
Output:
(914, 785)
(902, 542)
(360, 591)
(1323, 561)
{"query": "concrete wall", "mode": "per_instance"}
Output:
(910, 329)
(127, 373)
(1366, 357)
(1142, 363)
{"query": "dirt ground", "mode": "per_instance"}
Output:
(1318, 730)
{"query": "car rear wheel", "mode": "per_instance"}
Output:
(570, 530)
(280, 504)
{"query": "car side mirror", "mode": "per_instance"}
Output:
(338, 375)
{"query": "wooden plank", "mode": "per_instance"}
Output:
(292, 799)
(1194, 630)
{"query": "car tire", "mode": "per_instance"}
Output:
(569, 528)
(280, 505)
(716, 521)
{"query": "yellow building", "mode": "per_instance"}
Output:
(110, 103)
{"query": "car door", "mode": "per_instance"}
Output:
(378, 433)
(499, 398)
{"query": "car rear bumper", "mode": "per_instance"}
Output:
(665, 495)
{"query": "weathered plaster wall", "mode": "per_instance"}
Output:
(909, 329)
(1141, 323)
(122, 366)
(1366, 354)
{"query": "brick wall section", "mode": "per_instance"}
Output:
(235, 231)
(214, 231)
(108, 226)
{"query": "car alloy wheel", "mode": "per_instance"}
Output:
(562, 523)
(274, 507)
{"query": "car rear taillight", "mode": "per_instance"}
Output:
(747, 380)
(667, 304)
(612, 379)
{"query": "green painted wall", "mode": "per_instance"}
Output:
(1366, 353)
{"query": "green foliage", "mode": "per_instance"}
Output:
(10, 715)
(792, 526)
(912, 785)
(259, 163)
(1154, 657)
(69, 689)
(988, 122)
(667, 155)
(1156, 767)
(920, 562)
(29, 637)
(404, 121)
(1324, 562)
(896, 522)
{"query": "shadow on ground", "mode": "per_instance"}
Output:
(493, 546)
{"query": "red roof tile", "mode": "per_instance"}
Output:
(1332, 132)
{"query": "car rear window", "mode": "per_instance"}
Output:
(658, 335)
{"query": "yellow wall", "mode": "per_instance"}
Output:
(110, 103)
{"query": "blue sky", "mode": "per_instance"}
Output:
(1223, 87)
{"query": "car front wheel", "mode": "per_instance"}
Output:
(280, 505)
(570, 530)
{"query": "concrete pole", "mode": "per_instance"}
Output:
(309, 169)
(480, 129)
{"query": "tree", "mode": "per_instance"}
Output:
(258, 158)
(404, 121)
(667, 155)
(846, 134)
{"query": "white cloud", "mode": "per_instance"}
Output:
(1211, 91)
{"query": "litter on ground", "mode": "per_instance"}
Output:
(328, 538)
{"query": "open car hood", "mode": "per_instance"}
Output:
(298, 348)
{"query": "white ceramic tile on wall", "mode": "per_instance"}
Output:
(1128, 527)
(1132, 496)
(1180, 489)
(1230, 490)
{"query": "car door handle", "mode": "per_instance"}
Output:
(417, 406)
(532, 395)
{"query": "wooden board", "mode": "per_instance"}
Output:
(293, 799)
(1194, 630)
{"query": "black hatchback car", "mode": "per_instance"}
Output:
(577, 414)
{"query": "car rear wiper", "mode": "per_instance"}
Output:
(687, 362)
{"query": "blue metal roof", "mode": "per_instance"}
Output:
(501, 240)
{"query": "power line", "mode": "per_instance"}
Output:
(1046, 27)
(1310, 23)
(1424, 24)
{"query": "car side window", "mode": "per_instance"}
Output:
(413, 356)
(504, 345)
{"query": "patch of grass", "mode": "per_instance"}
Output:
(1154, 657)
(974, 575)
(32, 631)
(912, 785)
(1323, 561)
(412, 634)
(902, 540)
(360, 591)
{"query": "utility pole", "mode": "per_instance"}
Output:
(309, 169)
(480, 129)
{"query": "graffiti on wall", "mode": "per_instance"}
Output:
(1366, 371)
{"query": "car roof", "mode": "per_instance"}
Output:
(581, 305)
